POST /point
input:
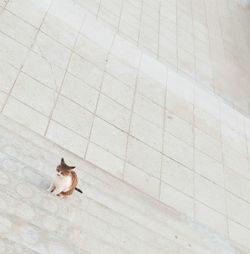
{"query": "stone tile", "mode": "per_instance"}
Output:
(118, 91)
(237, 184)
(79, 92)
(146, 132)
(109, 138)
(126, 51)
(98, 32)
(180, 107)
(17, 29)
(144, 157)
(210, 194)
(175, 148)
(207, 123)
(52, 51)
(42, 70)
(59, 30)
(72, 116)
(3, 97)
(210, 218)
(179, 128)
(8, 75)
(25, 115)
(68, 12)
(91, 51)
(238, 210)
(208, 145)
(113, 113)
(180, 86)
(144, 182)
(151, 89)
(122, 71)
(150, 111)
(66, 138)
(233, 140)
(177, 176)
(156, 70)
(13, 53)
(176, 200)
(34, 94)
(236, 161)
(239, 234)
(86, 71)
(31, 12)
(105, 160)
(209, 168)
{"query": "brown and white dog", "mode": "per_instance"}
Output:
(65, 182)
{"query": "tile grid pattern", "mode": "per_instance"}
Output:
(109, 139)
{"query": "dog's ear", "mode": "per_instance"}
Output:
(62, 162)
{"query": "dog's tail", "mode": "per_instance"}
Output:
(78, 190)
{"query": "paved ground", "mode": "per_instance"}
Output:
(70, 76)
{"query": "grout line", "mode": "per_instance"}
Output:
(26, 57)
(65, 72)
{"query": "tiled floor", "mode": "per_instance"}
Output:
(92, 77)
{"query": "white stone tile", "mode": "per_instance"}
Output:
(122, 71)
(180, 86)
(210, 218)
(79, 92)
(73, 117)
(66, 138)
(113, 113)
(105, 160)
(86, 71)
(149, 110)
(144, 182)
(144, 157)
(176, 200)
(25, 115)
(59, 30)
(8, 75)
(40, 69)
(233, 140)
(177, 176)
(13, 53)
(236, 161)
(209, 168)
(91, 51)
(207, 123)
(210, 194)
(180, 107)
(153, 68)
(52, 51)
(176, 149)
(17, 29)
(116, 90)
(208, 145)
(126, 51)
(3, 97)
(151, 89)
(146, 132)
(247, 125)
(30, 11)
(237, 184)
(238, 210)
(98, 32)
(239, 234)
(179, 128)
(68, 12)
(109, 137)
(34, 94)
